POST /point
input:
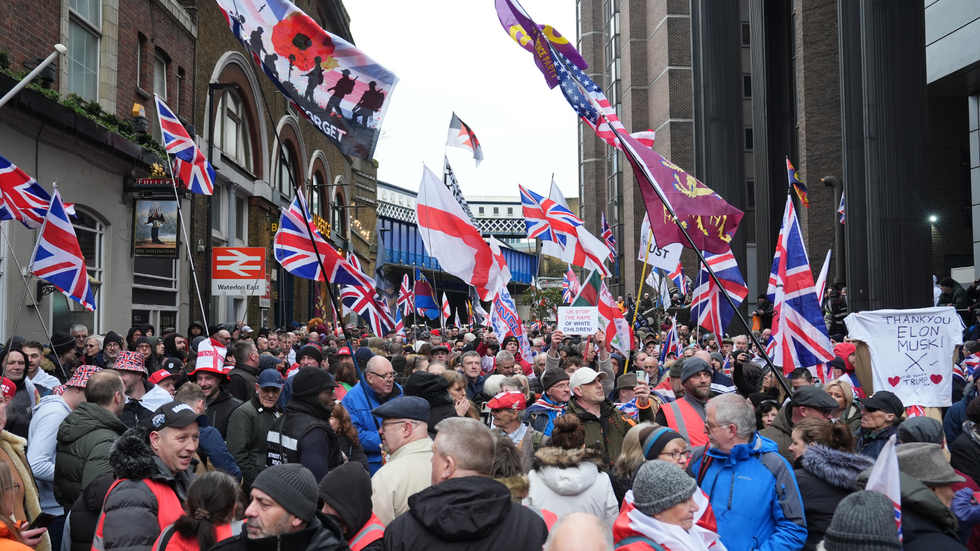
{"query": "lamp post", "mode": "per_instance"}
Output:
(212, 87)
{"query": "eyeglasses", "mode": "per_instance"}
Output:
(113, 345)
(709, 426)
(871, 409)
(15, 487)
(686, 454)
(386, 424)
(387, 376)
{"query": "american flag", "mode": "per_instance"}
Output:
(799, 333)
(679, 279)
(708, 306)
(608, 237)
(189, 163)
(23, 199)
(295, 251)
(57, 257)
(604, 122)
(671, 342)
(405, 296)
(569, 286)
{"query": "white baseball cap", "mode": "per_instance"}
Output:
(584, 376)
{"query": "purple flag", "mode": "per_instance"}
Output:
(536, 39)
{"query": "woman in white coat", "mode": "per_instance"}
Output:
(565, 477)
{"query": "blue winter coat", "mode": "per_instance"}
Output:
(359, 407)
(956, 415)
(754, 496)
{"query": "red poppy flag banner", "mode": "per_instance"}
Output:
(341, 90)
(451, 238)
(57, 257)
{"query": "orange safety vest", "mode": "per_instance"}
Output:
(177, 542)
(169, 508)
(368, 534)
(681, 417)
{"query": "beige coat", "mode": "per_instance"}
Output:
(407, 472)
(16, 448)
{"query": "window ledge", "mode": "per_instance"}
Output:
(143, 93)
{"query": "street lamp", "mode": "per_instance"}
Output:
(932, 219)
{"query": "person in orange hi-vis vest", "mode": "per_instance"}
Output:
(686, 413)
(211, 503)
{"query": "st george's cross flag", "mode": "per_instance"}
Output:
(451, 238)
(461, 135)
(453, 184)
(189, 163)
(446, 311)
(501, 263)
(57, 257)
(336, 86)
(708, 306)
(22, 198)
(799, 334)
(885, 479)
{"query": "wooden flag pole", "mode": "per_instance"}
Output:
(639, 291)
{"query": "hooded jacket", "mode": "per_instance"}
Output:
(359, 402)
(825, 477)
(321, 534)
(85, 439)
(953, 421)
(140, 412)
(347, 489)
(130, 512)
(569, 481)
(7, 541)
(43, 436)
(241, 381)
(473, 513)
(964, 453)
(927, 524)
(247, 430)
(85, 512)
(21, 407)
(220, 409)
(753, 494)
(170, 349)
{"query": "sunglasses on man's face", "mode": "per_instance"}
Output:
(871, 409)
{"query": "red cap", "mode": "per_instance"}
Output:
(510, 399)
(434, 332)
(344, 352)
(160, 375)
(7, 387)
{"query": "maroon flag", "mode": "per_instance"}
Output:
(709, 219)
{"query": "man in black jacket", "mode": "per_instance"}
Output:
(243, 377)
(283, 515)
(464, 508)
(303, 434)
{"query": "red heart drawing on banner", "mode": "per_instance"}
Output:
(936, 378)
(894, 380)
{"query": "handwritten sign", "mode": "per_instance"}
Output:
(666, 258)
(911, 351)
(578, 320)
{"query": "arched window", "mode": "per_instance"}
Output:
(90, 231)
(338, 219)
(231, 130)
(286, 170)
(316, 192)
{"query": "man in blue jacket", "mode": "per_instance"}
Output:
(376, 387)
(752, 489)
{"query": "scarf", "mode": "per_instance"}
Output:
(671, 536)
(546, 403)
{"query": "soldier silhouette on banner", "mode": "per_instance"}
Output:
(314, 79)
(371, 101)
(343, 87)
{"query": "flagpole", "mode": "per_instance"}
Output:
(187, 241)
(639, 291)
(690, 240)
(27, 287)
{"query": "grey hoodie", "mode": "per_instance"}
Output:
(43, 436)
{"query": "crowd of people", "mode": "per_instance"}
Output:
(227, 438)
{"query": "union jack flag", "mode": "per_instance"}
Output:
(405, 296)
(190, 165)
(23, 199)
(363, 300)
(679, 279)
(799, 333)
(840, 209)
(608, 237)
(57, 257)
(548, 220)
(602, 122)
(569, 286)
(399, 324)
(671, 342)
(708, 307)
(295, 250)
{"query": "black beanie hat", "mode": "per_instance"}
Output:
(292, 486)
(311, 351)
(311, 381)
(347, 489)
(62, 342)
(551, 377)
(112, 336)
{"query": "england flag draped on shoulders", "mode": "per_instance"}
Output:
(190, 165)
(451, 238)
(799, 333)
(57, 257)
